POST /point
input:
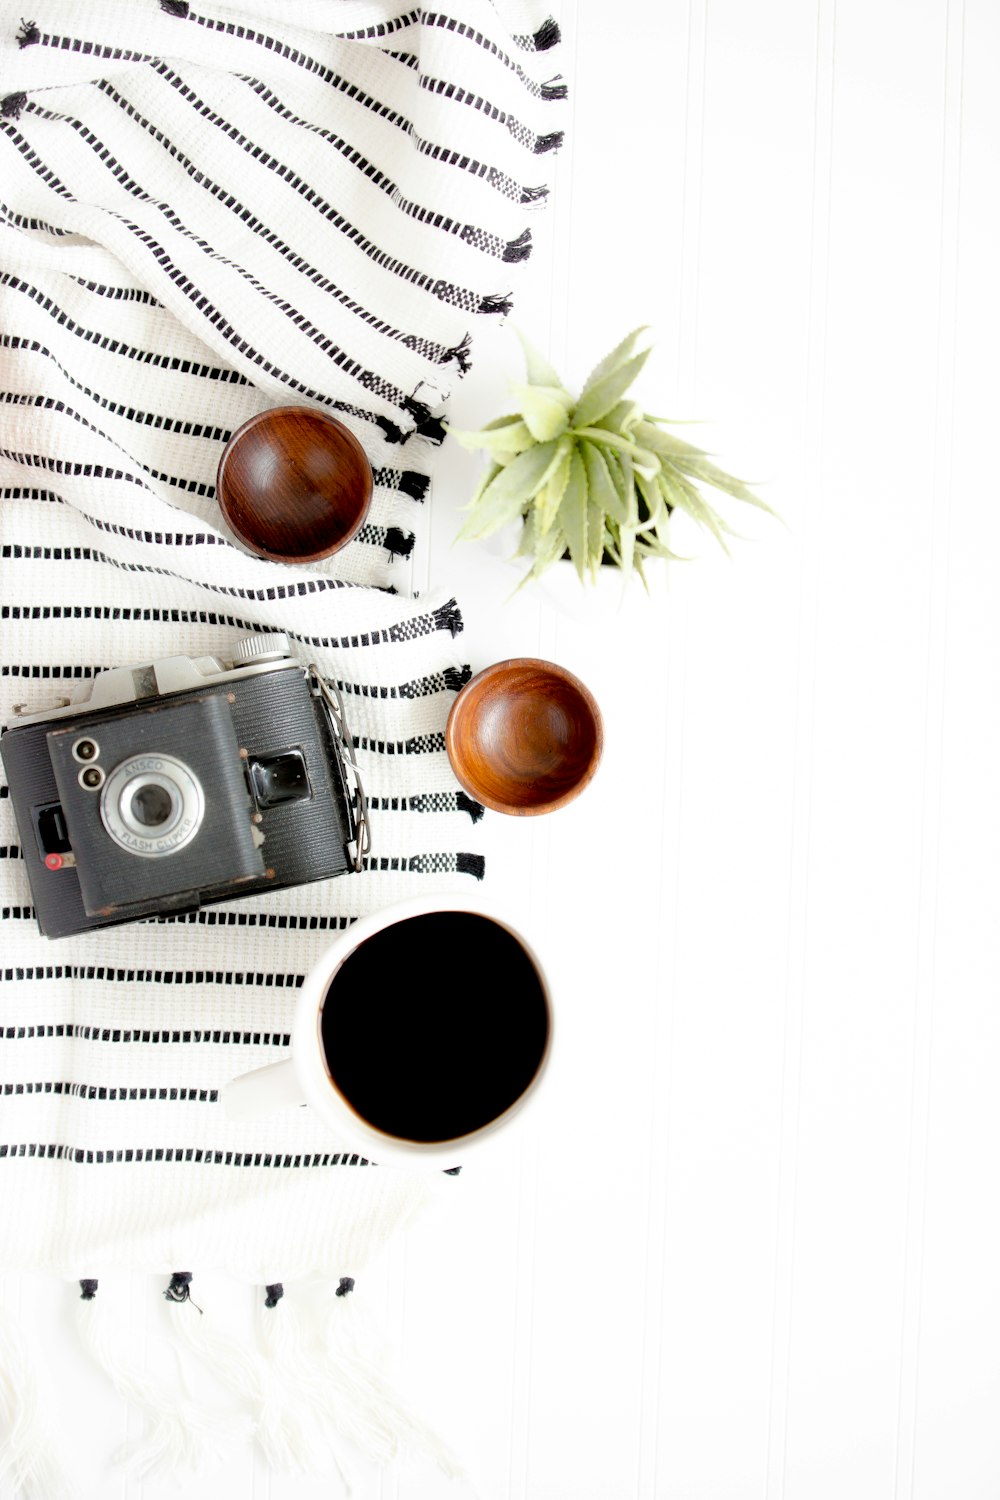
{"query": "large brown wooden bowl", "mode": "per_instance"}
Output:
(524, 737)
(294, 484)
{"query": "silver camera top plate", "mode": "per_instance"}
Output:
(172, 674)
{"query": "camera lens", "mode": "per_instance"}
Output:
(152, 805)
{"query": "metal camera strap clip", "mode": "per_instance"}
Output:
(358, 810)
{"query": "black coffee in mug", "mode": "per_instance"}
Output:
(435, 1025)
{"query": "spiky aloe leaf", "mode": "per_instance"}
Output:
(549, 497)
(614, 361)
(544, 409)
(488, 477)
(626, 547)
(540, 372)
(510, 490)
(622, 418)
(707, 473)
(550, 549)
(473, 440)
(510, 438)
(679, 492)
(603, 489)
(601, 397)
(596, 531)
(651, 435)
(573, 513)
(623, 477)
(653, 499)
(641, 458)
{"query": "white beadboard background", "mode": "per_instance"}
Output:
(750, 1246)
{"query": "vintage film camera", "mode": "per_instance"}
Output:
(182, 782)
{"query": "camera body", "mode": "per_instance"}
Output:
(183, 782)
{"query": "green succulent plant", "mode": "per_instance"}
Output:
(593, 478)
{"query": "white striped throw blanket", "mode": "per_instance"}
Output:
(205, 211)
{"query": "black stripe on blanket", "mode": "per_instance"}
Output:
(32, 36)
(62, 408)
(127, 1036)
(444, 617)
(530, 139)
(328, 75)
(320, 585)
(447, 681)
(492, 244)
(285, 173)
(270, 920)
(159, 421)
(104, 974)
(189, 1154)
(450, 680)
(102, 1092)
(369, 380)
(430, 802)
(429, 864)
(497, 179)
(25, 221)
(458, 28)
(422, 421)
(101, 340)
(212, 917)
(116, 293)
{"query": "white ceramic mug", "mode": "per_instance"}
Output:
(306, 1078)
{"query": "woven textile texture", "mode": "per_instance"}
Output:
(206, 211)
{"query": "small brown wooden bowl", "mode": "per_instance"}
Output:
(294, 484)
(524, 737)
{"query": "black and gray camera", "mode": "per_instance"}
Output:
(184, 782)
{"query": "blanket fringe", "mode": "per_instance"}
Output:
(180, 1434)
(550, 142)
(461, 353)
(455, 678)
(275, 1411)
(547, 35)
(473, 808)
(495, 303)
(400, 543)
(341, 1383)
(284, 1419)
(413, 484)
(448, 617)
(519, 248)
(28, 1465)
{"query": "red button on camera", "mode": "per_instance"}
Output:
(53, 861)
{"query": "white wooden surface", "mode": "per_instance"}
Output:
(750, 1245)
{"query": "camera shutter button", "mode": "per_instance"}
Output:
(253, 648)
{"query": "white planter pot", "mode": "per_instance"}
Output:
(609, 596)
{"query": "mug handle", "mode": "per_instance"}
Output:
(263, 1090)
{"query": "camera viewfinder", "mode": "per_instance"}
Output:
(279, 778)
(50, 826)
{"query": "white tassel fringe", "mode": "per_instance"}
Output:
(28, 1465)
(338, 1381)
(277, 1421)
(180, 1433)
